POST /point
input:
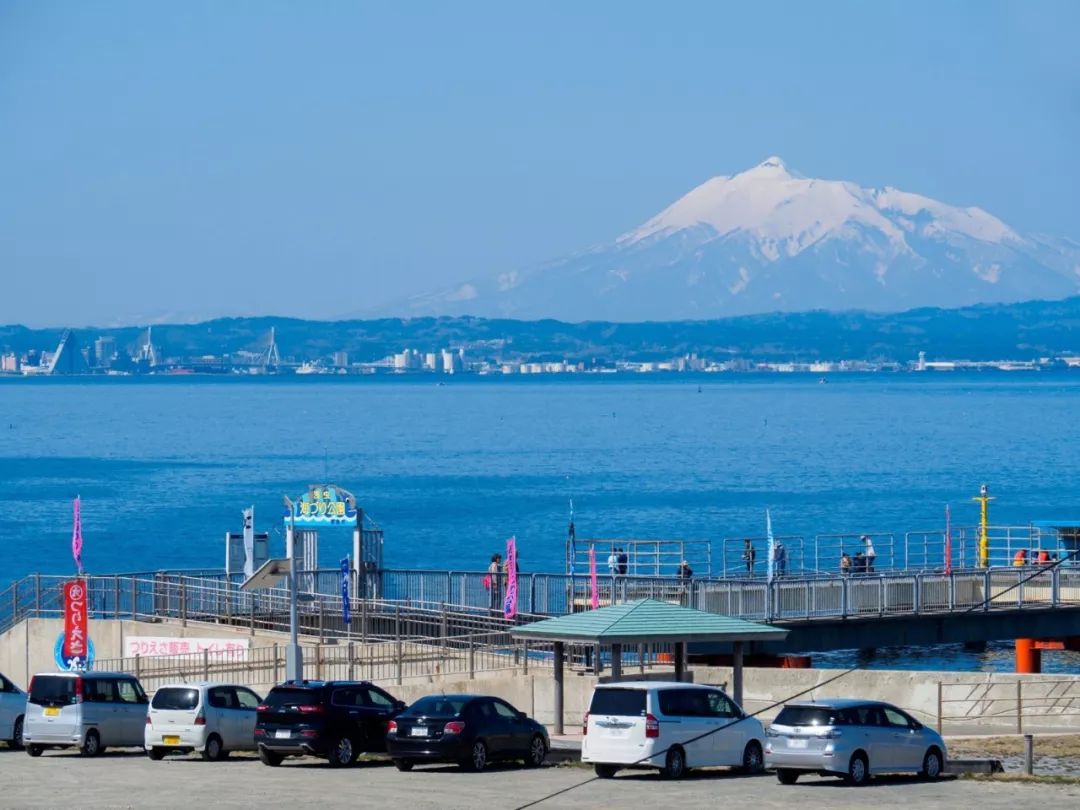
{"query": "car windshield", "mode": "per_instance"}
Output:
(175, 699)
(52, 690)
(291, 697)
(437, 706)
(619, 702)
(808, 716)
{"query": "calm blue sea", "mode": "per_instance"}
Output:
(164, 465)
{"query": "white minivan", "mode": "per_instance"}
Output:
(668, 725)
(211, 718)
(12, 706)
(85, 710)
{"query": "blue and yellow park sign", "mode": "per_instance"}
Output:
(322, 506)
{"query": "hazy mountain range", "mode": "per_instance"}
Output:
(770, 240)
(986, 332)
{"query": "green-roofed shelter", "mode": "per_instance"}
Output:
(646, 621)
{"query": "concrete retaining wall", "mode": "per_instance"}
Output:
(1050, 702)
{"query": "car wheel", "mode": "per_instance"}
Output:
(753, 760)
(17, 735)
(155, 753)
(931, 765)
(34, 750)
(786, 776)
(404, 764)
(674, 765)
(478, 757)
(213, 752)
(537, 752)
(271, 758)
(342, 753)
(91, 746)
(858, 772)
(605, 771)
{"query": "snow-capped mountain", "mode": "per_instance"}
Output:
(770, 239)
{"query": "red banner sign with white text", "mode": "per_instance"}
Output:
(76, 639)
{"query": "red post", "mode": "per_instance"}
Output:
(1028, 656)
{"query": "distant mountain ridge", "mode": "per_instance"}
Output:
(1022, 331)
(769, 239)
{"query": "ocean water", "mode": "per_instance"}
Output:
(165, 465)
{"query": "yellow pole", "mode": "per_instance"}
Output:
(984, 524)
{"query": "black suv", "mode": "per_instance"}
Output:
(336, 720)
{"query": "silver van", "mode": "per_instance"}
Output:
(86, 710)
(853, 739)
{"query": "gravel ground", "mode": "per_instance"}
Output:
(62, 779)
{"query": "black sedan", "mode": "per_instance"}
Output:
(471, 730)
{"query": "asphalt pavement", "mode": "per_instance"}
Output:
(121, 779)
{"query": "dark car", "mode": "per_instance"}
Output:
(336, 720)
(471, 730)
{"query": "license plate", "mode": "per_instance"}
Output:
(52, 711)
(796, 742)
(418, 731)
(282, 735)
(171, 740)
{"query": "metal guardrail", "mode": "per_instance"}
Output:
(216, 599)
(441, 603)
(1008, 702)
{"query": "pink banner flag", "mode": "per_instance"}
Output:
(948, 542)
(76, 538)
(510, 602)
(594, 600)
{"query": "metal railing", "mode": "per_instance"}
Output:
(912, 551)
(398, 660)
(444, 603)
(1011, 704)
(218, 600)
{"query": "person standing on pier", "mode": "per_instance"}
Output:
(870, 554)
(845, 564)
(494, 581)
(780, 559)
(749, 555)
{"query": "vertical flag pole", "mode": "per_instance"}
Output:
(572, 553)
(948, 541)
(76, 537)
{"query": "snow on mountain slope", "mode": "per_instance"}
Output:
(770, 239)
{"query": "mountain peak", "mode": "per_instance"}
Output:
(770, 239)
(773, 162)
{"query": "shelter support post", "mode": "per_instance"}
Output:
(558, 672)
(680, 660)
(737, 672)
(616, 662)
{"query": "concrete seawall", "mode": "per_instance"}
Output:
(971, 703)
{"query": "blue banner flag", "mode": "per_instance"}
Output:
(771, 546)
(345, 590)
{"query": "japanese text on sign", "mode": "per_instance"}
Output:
(76, 639)
(232, 649)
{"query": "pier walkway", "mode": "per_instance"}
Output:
(822, 612)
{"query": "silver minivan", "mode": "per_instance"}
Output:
(851, 738)
(85, 710)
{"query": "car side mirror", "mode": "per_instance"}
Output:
(522, 716)
(399, 705)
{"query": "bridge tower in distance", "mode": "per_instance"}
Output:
(271, 359)
(68, 359)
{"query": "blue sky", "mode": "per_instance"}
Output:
(317, 159)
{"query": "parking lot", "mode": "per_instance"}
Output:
(60, 778)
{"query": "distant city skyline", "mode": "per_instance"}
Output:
(184, 161)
